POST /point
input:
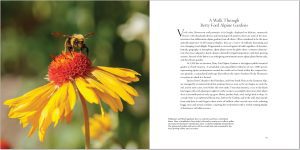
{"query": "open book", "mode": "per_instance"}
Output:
(211, 74)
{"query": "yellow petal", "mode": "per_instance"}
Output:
(109, 101)
(14, 101)
(71, 95)
(99, 126)
(87, 93)
(33, 104)
(66, 108)
(119, 104)
(26, 97)
(122, 72)
(25, 119)
(60, 100)
(47, 115)
(55, 116)
(32, 129)
(130, 89)
(128, 80)
(101, 87)
(94, 84)
(69, 117)
(113, 84)
(43, 129)
(70, 101)
(40, 89)
(101, 108)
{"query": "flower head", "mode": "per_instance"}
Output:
(70, 72)
(100, 125)
(68, 66)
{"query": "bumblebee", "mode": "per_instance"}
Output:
(75, 41)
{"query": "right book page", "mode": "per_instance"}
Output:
(224, 74)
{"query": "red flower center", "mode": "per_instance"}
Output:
(67, 66)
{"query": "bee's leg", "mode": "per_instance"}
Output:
(87, 51)
(67, 45)
(70, 48)
(86, 48)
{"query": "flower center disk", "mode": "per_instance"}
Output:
(67, 66)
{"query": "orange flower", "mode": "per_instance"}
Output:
(70, 72)
(100, 125)
(4, 144)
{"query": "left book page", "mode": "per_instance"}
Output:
(74, 75)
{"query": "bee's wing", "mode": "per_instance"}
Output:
(59, 34)
(89, 34)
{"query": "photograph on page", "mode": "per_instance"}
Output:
(74, 74)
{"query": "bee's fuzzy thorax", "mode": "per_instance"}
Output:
(78, 36)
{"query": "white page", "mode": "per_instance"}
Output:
(274, 125)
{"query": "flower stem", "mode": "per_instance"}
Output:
(86, 122)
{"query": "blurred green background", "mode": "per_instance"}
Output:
(121, 40)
